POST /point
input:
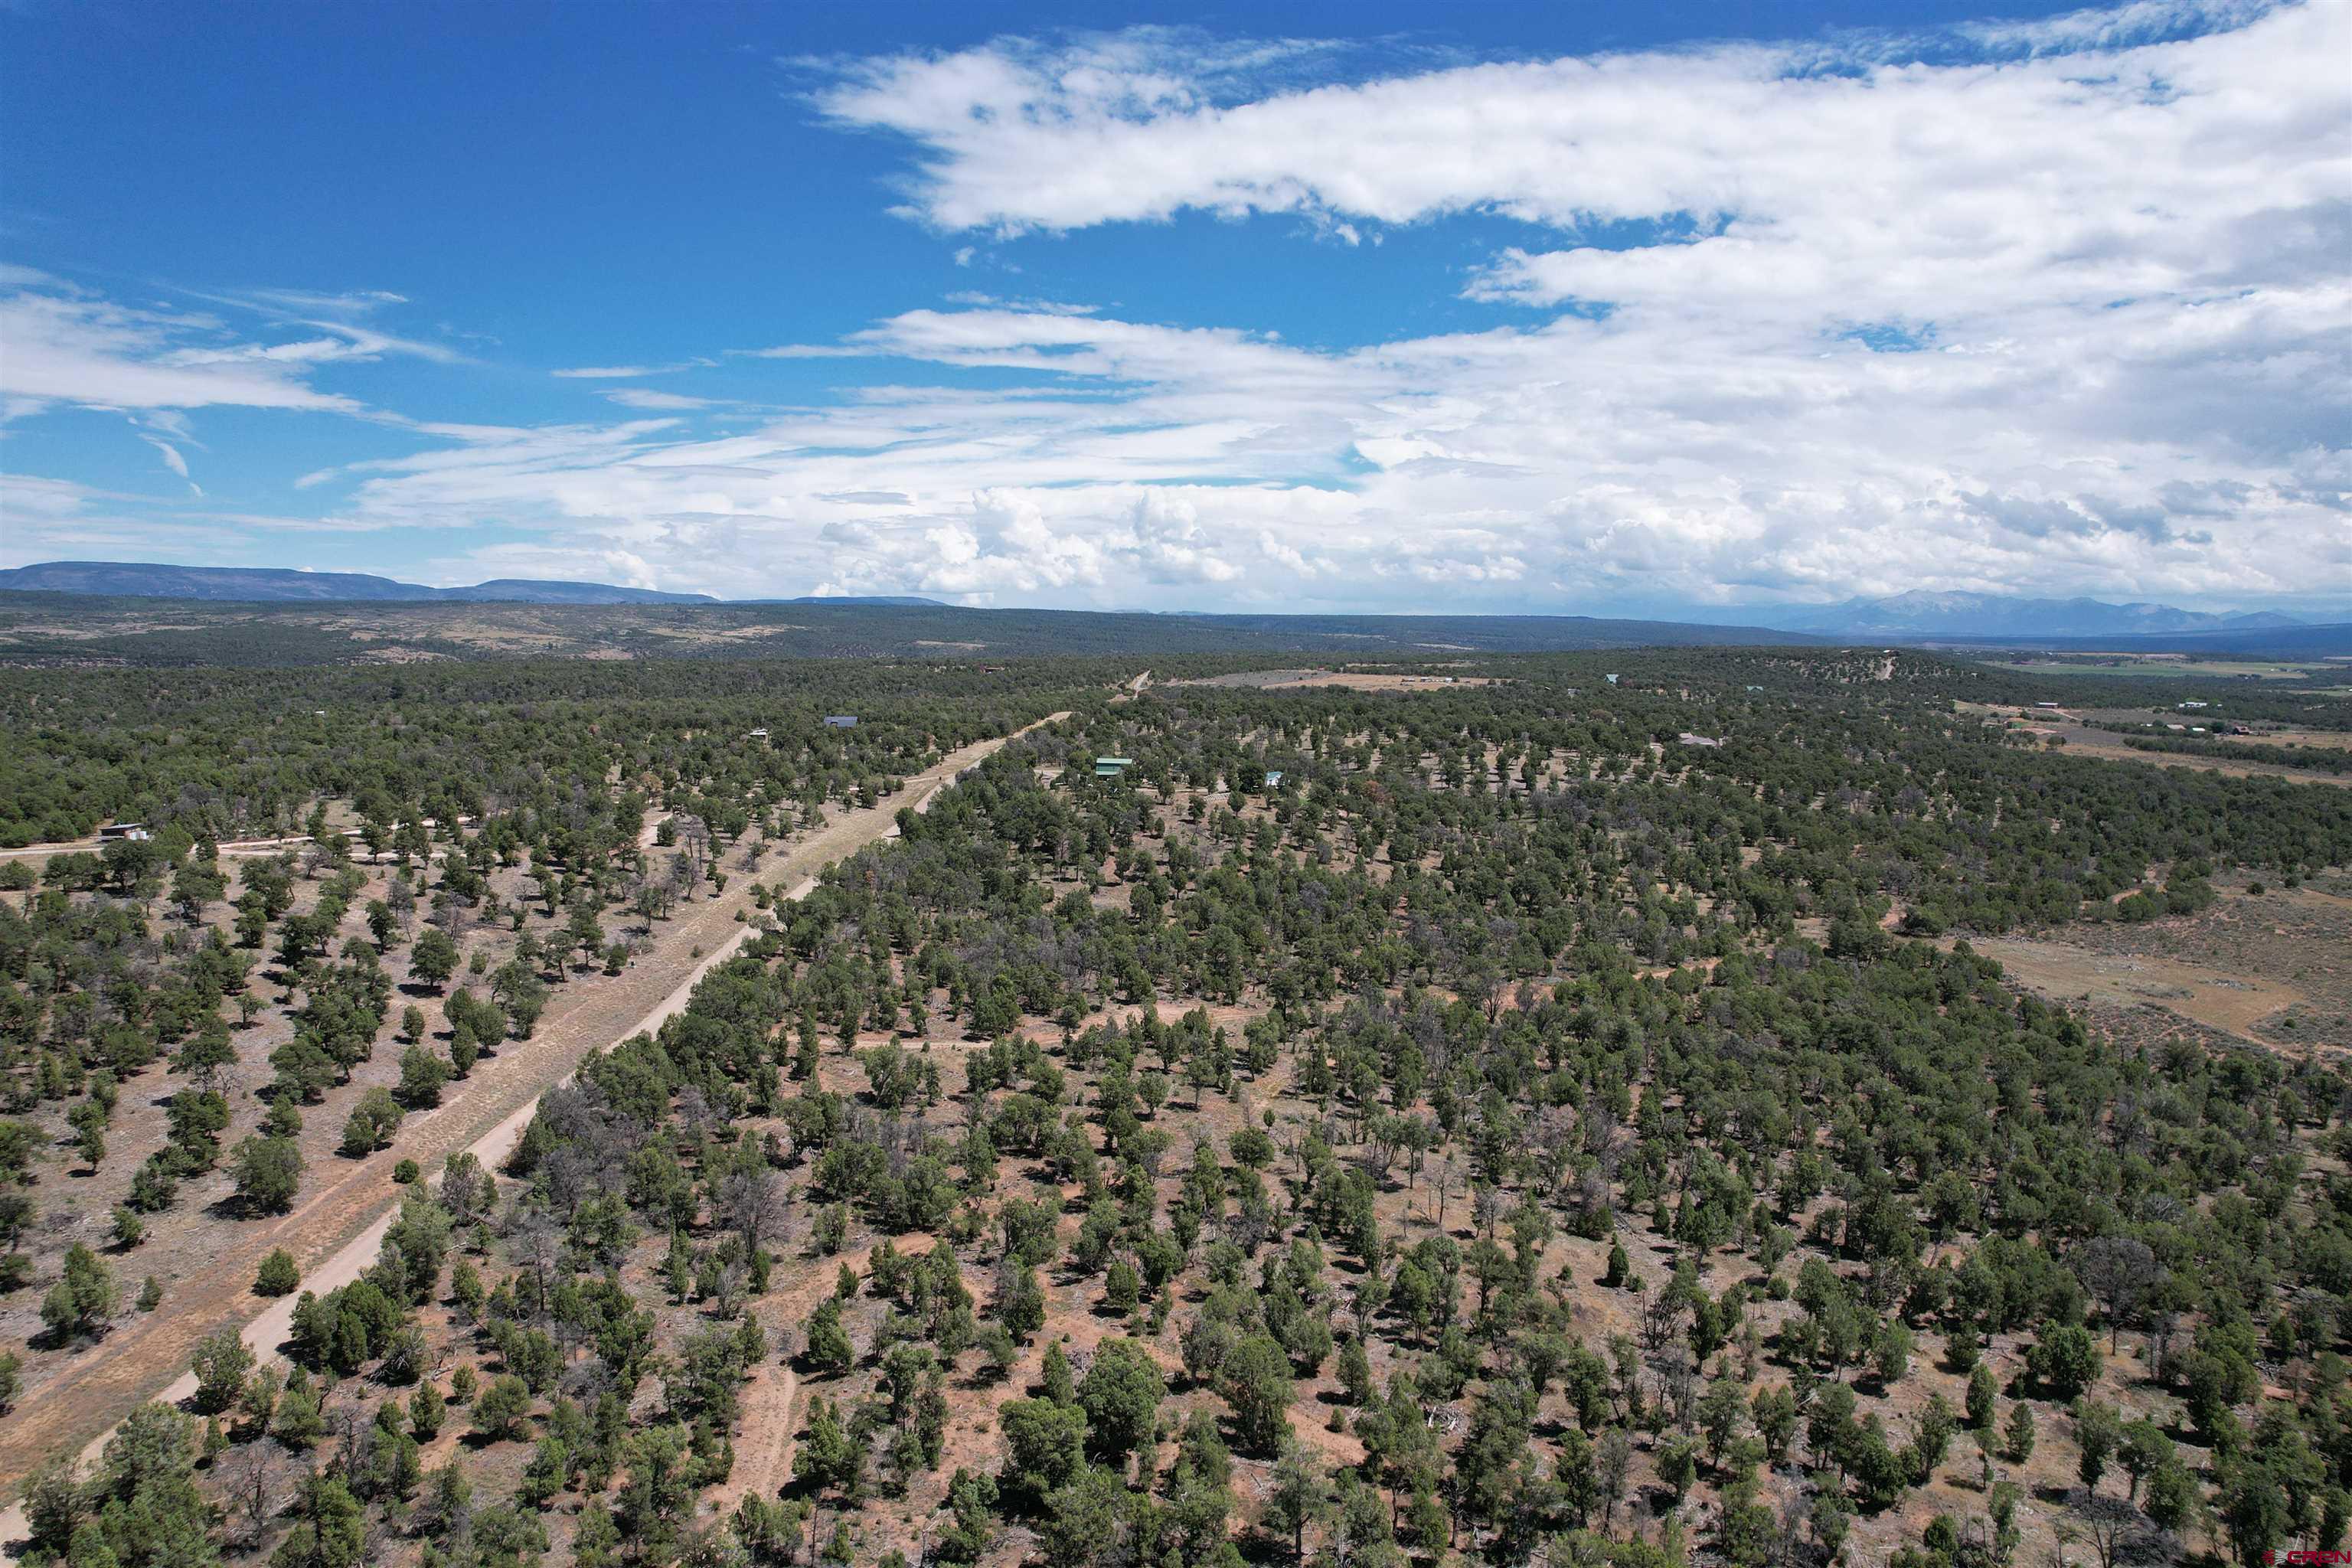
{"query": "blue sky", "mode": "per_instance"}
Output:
(1492, 307)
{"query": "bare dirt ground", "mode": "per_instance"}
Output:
(83, 1399)
(2274, 968)
(764, 1446)
(2110, 749)
(2335, 740)
(2232, 1003)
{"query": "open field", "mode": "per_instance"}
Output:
(2272, 968)
(2168, 665)
(2336, 739)
(2067, 729)
(2082, 743)
(2218, 999)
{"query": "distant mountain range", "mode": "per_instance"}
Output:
(271, 585)
(1916, 617)
(895, 601)
(1921, 614)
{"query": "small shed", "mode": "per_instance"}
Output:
(756, 735)
(840, 720)
(116, 832)
(1609, 678)
(1274, 778)
(1112, 767)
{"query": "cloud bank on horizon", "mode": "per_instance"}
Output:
(2045, 307)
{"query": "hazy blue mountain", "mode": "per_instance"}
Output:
(1916, 617)
(1921, 614)
(271, 585)
(898, 600)
(537, 591)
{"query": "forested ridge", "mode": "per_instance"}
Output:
(59, 631)
(1558, 1120)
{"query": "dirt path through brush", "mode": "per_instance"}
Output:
(334, 1233)
(764, 1450)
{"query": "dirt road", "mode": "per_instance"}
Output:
(335, 1232)
(98, 846)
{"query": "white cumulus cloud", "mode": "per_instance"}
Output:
(2055, 307)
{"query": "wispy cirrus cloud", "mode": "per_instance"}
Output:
(646, 398)
(628, 371)
(69, 346)
(342, 318)
(172, 457)
(317, 302)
